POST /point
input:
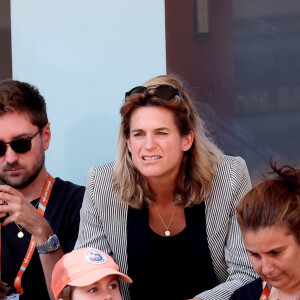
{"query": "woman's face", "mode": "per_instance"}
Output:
(155, 143)
(104, 289)
(275, 256)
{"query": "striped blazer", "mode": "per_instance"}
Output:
(103, 225)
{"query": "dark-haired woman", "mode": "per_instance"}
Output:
(269, 218)
(165, 209)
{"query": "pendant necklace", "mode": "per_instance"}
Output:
(21, 233)
(167, 232)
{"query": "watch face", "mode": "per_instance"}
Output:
(54, 243)
(50, 245)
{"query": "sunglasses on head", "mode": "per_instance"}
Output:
(20, 146)
(163, 91)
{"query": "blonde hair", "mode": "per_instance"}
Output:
(198, 165)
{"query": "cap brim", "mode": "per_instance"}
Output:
(96, 275)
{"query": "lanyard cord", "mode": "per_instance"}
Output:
(266, 292)
(41, 209)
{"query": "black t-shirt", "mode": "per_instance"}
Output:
(250, 291)
(62, 213)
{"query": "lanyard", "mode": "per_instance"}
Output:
(266, 293)
(41, 209)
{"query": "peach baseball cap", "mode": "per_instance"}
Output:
(82, 267)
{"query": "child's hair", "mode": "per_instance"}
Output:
(80, 268)
(66, 293)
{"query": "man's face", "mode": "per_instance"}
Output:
(19, 170)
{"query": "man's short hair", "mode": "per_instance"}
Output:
(23, 98)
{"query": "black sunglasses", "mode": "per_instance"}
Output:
(163, 91)
(20, 146)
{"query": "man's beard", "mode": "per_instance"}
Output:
(28, 177)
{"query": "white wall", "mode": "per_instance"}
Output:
(83, 56)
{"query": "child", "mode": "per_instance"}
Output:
(87, 273)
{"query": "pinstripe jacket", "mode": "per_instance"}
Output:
(103, 220)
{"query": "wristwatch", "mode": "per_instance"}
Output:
(50, 245)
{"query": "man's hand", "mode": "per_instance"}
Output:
(28, 217)
(20, 211)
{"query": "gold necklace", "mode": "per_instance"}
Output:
(279, 295)
(167, 232)
(21, 233)
(295, 296)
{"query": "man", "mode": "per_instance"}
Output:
(39, 214)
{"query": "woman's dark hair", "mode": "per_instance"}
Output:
(273, 202)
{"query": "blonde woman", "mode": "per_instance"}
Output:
(165, 210)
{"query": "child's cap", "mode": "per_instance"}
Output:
(83, 267)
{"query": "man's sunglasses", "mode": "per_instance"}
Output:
(163, 91)
(20, 146)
